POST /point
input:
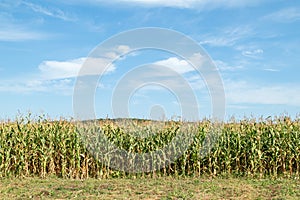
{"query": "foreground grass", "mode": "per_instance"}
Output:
(160, 188)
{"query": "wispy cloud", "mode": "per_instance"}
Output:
(228, 36)
(189, 4)
(234, 106)
(182, 66)
(223, 66)
(256, 53)
(52, 12)
(271, 70)
(285, 15)
(14, 33)
(242, 92)
(8, 3)
(61, 86)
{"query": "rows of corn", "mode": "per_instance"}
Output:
(41, 147)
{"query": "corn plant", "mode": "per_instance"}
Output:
(37, 146)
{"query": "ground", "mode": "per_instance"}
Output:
(159, 188)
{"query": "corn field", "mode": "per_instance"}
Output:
(256, 148)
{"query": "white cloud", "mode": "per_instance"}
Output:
(122, 49)
(285, 15)
(69, 69)
(178, 65)
(58, 76)
(189, 73)
(182, 66)
(155, 77)
(60, 69)
(85, 66)
(177, 74)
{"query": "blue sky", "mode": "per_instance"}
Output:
(254, 44)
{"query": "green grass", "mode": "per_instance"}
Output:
(159, 188)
